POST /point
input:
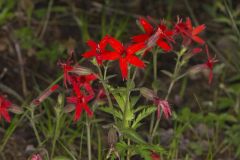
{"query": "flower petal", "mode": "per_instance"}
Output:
(5, 114)
(78, 112)
(92, 44)
(108, 55)
(124, 67)
(132, 49)
(198, 39)
(115, 44)
(140, 38)
(88, 110)
(189, 23)
(103, 43)
(198, 29)
(134, 60)
(146, 25)
(89, 54)
(196, 50)
(163, 45)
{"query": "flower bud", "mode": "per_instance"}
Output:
(112, 137)
(147, 93)
(69, 108)
(78, 70)
(15, 109)
(60, 100)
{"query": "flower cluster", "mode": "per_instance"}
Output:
(79, 79)
(111, 49)
(154, 35)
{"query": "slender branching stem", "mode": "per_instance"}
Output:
(88, 125)
(32, 121)
(102, 77)
(173, 80)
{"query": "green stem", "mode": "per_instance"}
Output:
(174, 77)
(89, 140)
(34, 126)
(155, 89)
(102, 77)
(56, 132)
(125, 122)
(128, 151)
(10, 131)
(155, 70)
(126, 108)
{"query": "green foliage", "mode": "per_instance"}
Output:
(52, 53)
(6, 11)
(143, 114)
(133, 135)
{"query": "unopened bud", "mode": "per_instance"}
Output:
(15, 109)
(147, 93)
(81, 70)
(45, 94)
(112, 137)
(60, 100)
(69, 108)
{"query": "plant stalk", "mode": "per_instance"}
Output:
(89, 140)
(173, 80)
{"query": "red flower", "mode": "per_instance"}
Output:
(189, 32)
(81, 99)
(164, 105)
(46, 93)
(4, 106)
(209, 65)
(161, 104)
(36, 157)
(154, 36)
(155, 156)
(97, 50)
(66, 69)
(125, 55)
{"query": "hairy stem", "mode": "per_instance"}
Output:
(102, 77)
(32, 121)
(89, 140)
(173, 80)
(56, 132)
(154, 89)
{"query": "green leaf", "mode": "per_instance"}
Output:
(120, 101)
(134, 100)
(225, 102)
(111, 111)
(144, 113)
(167, 73)
(129, 114)
(133, 135)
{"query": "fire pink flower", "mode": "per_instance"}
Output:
(152, 36)
(80, 99)
(209, 65)
(155, 156)
(36, 157)
(188, 32)
(164, 105)
(125, 55)
(4, 106)
(66, 69)
(97, 50)
(161, 104)
(46, 93)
